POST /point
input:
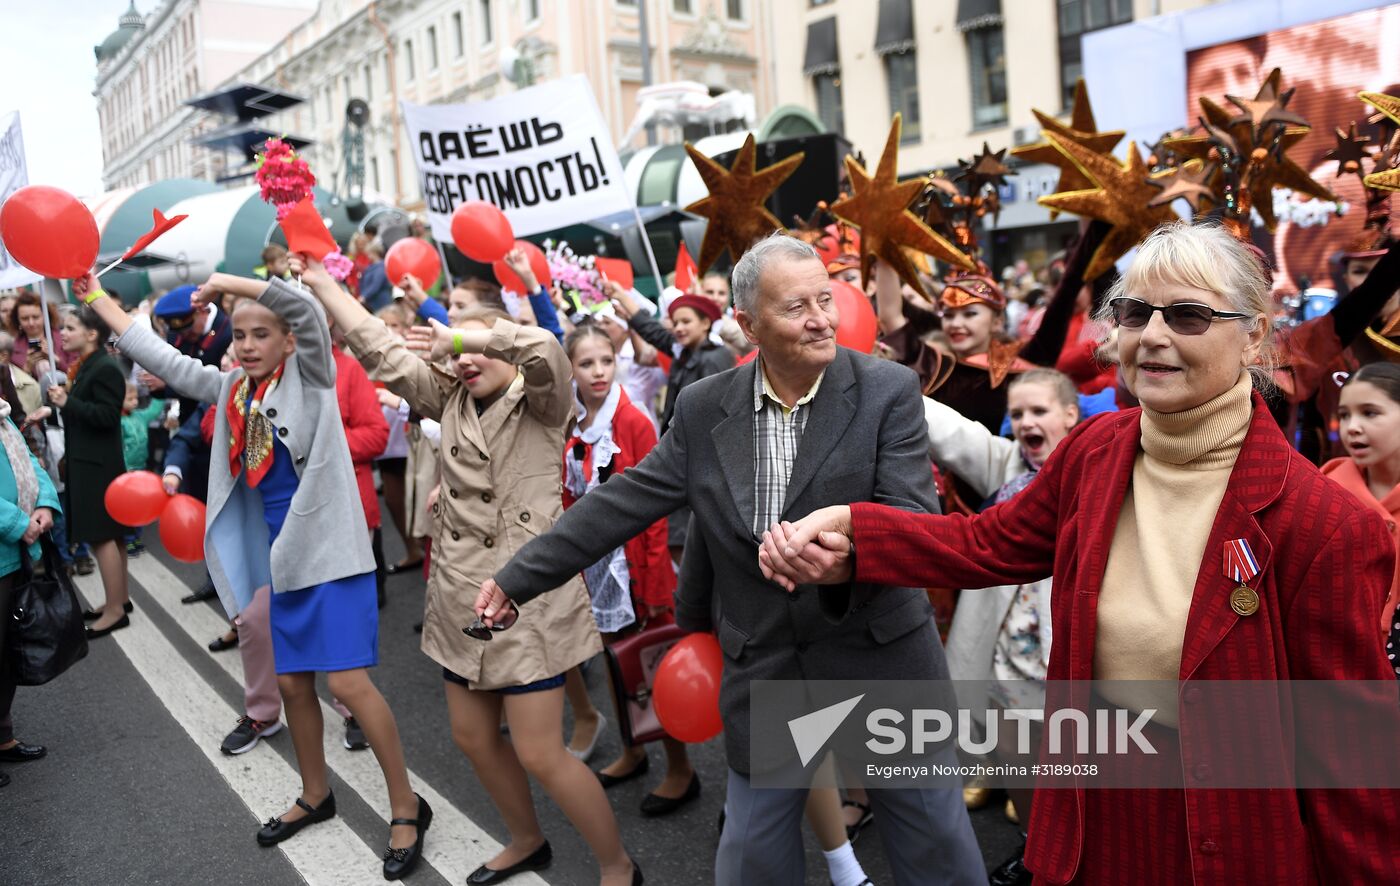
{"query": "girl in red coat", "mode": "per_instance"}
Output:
(1369, 416)
(634, 584)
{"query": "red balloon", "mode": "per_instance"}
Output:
(413, 256)
(182, 528)
(481, 231)
(686, 689)
(857, 327)
(538, 263)
(49, 231)
(135, 498)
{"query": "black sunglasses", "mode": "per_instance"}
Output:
(479, 630)
(1183, 318)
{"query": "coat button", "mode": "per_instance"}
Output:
(524, 516)
(454, 450)
(485, 457)
(272, 413)
(456, 536)
(1202, 771)
(1209, 847)
(452, 492)
(435, 509)
(281, 432)
(301, 459)
(486, 497)
(489, 542)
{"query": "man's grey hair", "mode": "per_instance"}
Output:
(777, 245)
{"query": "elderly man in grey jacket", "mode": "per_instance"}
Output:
(807, 424)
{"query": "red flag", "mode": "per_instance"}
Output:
(160, 224)
(618, 270)
(685, 269)
(306, 231)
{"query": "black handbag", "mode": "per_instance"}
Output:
(46, 631)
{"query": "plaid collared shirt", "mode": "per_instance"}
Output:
(777, 432)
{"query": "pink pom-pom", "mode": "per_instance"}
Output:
(337, 265)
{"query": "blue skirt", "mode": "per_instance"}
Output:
(329, 627)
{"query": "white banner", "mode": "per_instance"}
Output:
(14, 174)
(541, 154)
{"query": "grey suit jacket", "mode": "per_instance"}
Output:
(324, 537)
(865, 440)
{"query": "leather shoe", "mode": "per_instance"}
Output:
(221, 644)
(94, 633)
(655, 806)
(276, 830)
(23, 753)
(1011, 872)
(401, 568)
(205, 593)
(535, 861)
(637, 878)
(611, 781)
(95, 614)
(399, 863)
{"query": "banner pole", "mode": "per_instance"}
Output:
(651, 256)
(446, 271)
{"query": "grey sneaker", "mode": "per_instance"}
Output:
(354, 736)
(246, 735)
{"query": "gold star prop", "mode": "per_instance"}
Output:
(1120, 196)
(880, 205)
(1387, 179)
(1267, 106)
(1350, 150)
(735, 205)
(1082, 129)
(1189, 182)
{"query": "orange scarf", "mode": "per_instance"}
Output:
(250, 432)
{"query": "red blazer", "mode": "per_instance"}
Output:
(1325, 569)
(365, 428)
(648, 557)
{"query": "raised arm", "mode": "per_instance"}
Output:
(308, 321)
(965, 447)
(1044, 347)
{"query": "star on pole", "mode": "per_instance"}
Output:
(1388, 178)
(879, 207)
(1083, 129)
(1120, 196)
(1189, 182)
(734, 207)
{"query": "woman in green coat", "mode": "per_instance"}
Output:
(91, 406)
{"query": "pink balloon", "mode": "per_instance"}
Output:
(481, 231)
(49, 231)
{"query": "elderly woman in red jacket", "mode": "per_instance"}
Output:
(1122, 514)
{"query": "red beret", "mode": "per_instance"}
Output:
(699, 303)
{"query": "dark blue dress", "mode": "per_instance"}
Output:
(328, 627)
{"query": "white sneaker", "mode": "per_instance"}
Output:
(587, 752)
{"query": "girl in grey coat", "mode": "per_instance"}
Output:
(282, 505)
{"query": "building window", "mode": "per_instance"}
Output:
(459, 46)
(532, 10)
(369, 83)
(986, 56)
(408, 58)
(1077, 18)
(734, 9)
(486, 35)
(682, 7)
(632, 3)
(432, 48)
(374, 171)
(829, 101)
(902, 71)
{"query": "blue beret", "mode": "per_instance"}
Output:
(176, 302)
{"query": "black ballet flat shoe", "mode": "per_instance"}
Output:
(95, 614)
(654, 806)
(23, 753)
(538, 860)
(399, 863)
(222, 644)
(637, 878)
(123, 622)
(401, 568)
(276, 830)
(612, 781)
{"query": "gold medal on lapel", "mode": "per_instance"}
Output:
(1244, 601)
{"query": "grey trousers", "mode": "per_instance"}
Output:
(926, 835)
(7, 682)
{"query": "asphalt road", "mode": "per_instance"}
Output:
(135, 790)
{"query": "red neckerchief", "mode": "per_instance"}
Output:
(75, 366)
(250, 433)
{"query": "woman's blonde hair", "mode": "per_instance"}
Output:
(1204, 256)
(486, 316)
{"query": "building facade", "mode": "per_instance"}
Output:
(153, 63)
(962, 72)
(454, 51)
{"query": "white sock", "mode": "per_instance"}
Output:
(843, 866)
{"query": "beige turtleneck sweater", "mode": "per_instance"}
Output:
(1179, 479)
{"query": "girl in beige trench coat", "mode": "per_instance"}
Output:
(503, 414)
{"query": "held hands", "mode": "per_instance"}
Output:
(309, 270)
(40, 521)
(814, 550)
